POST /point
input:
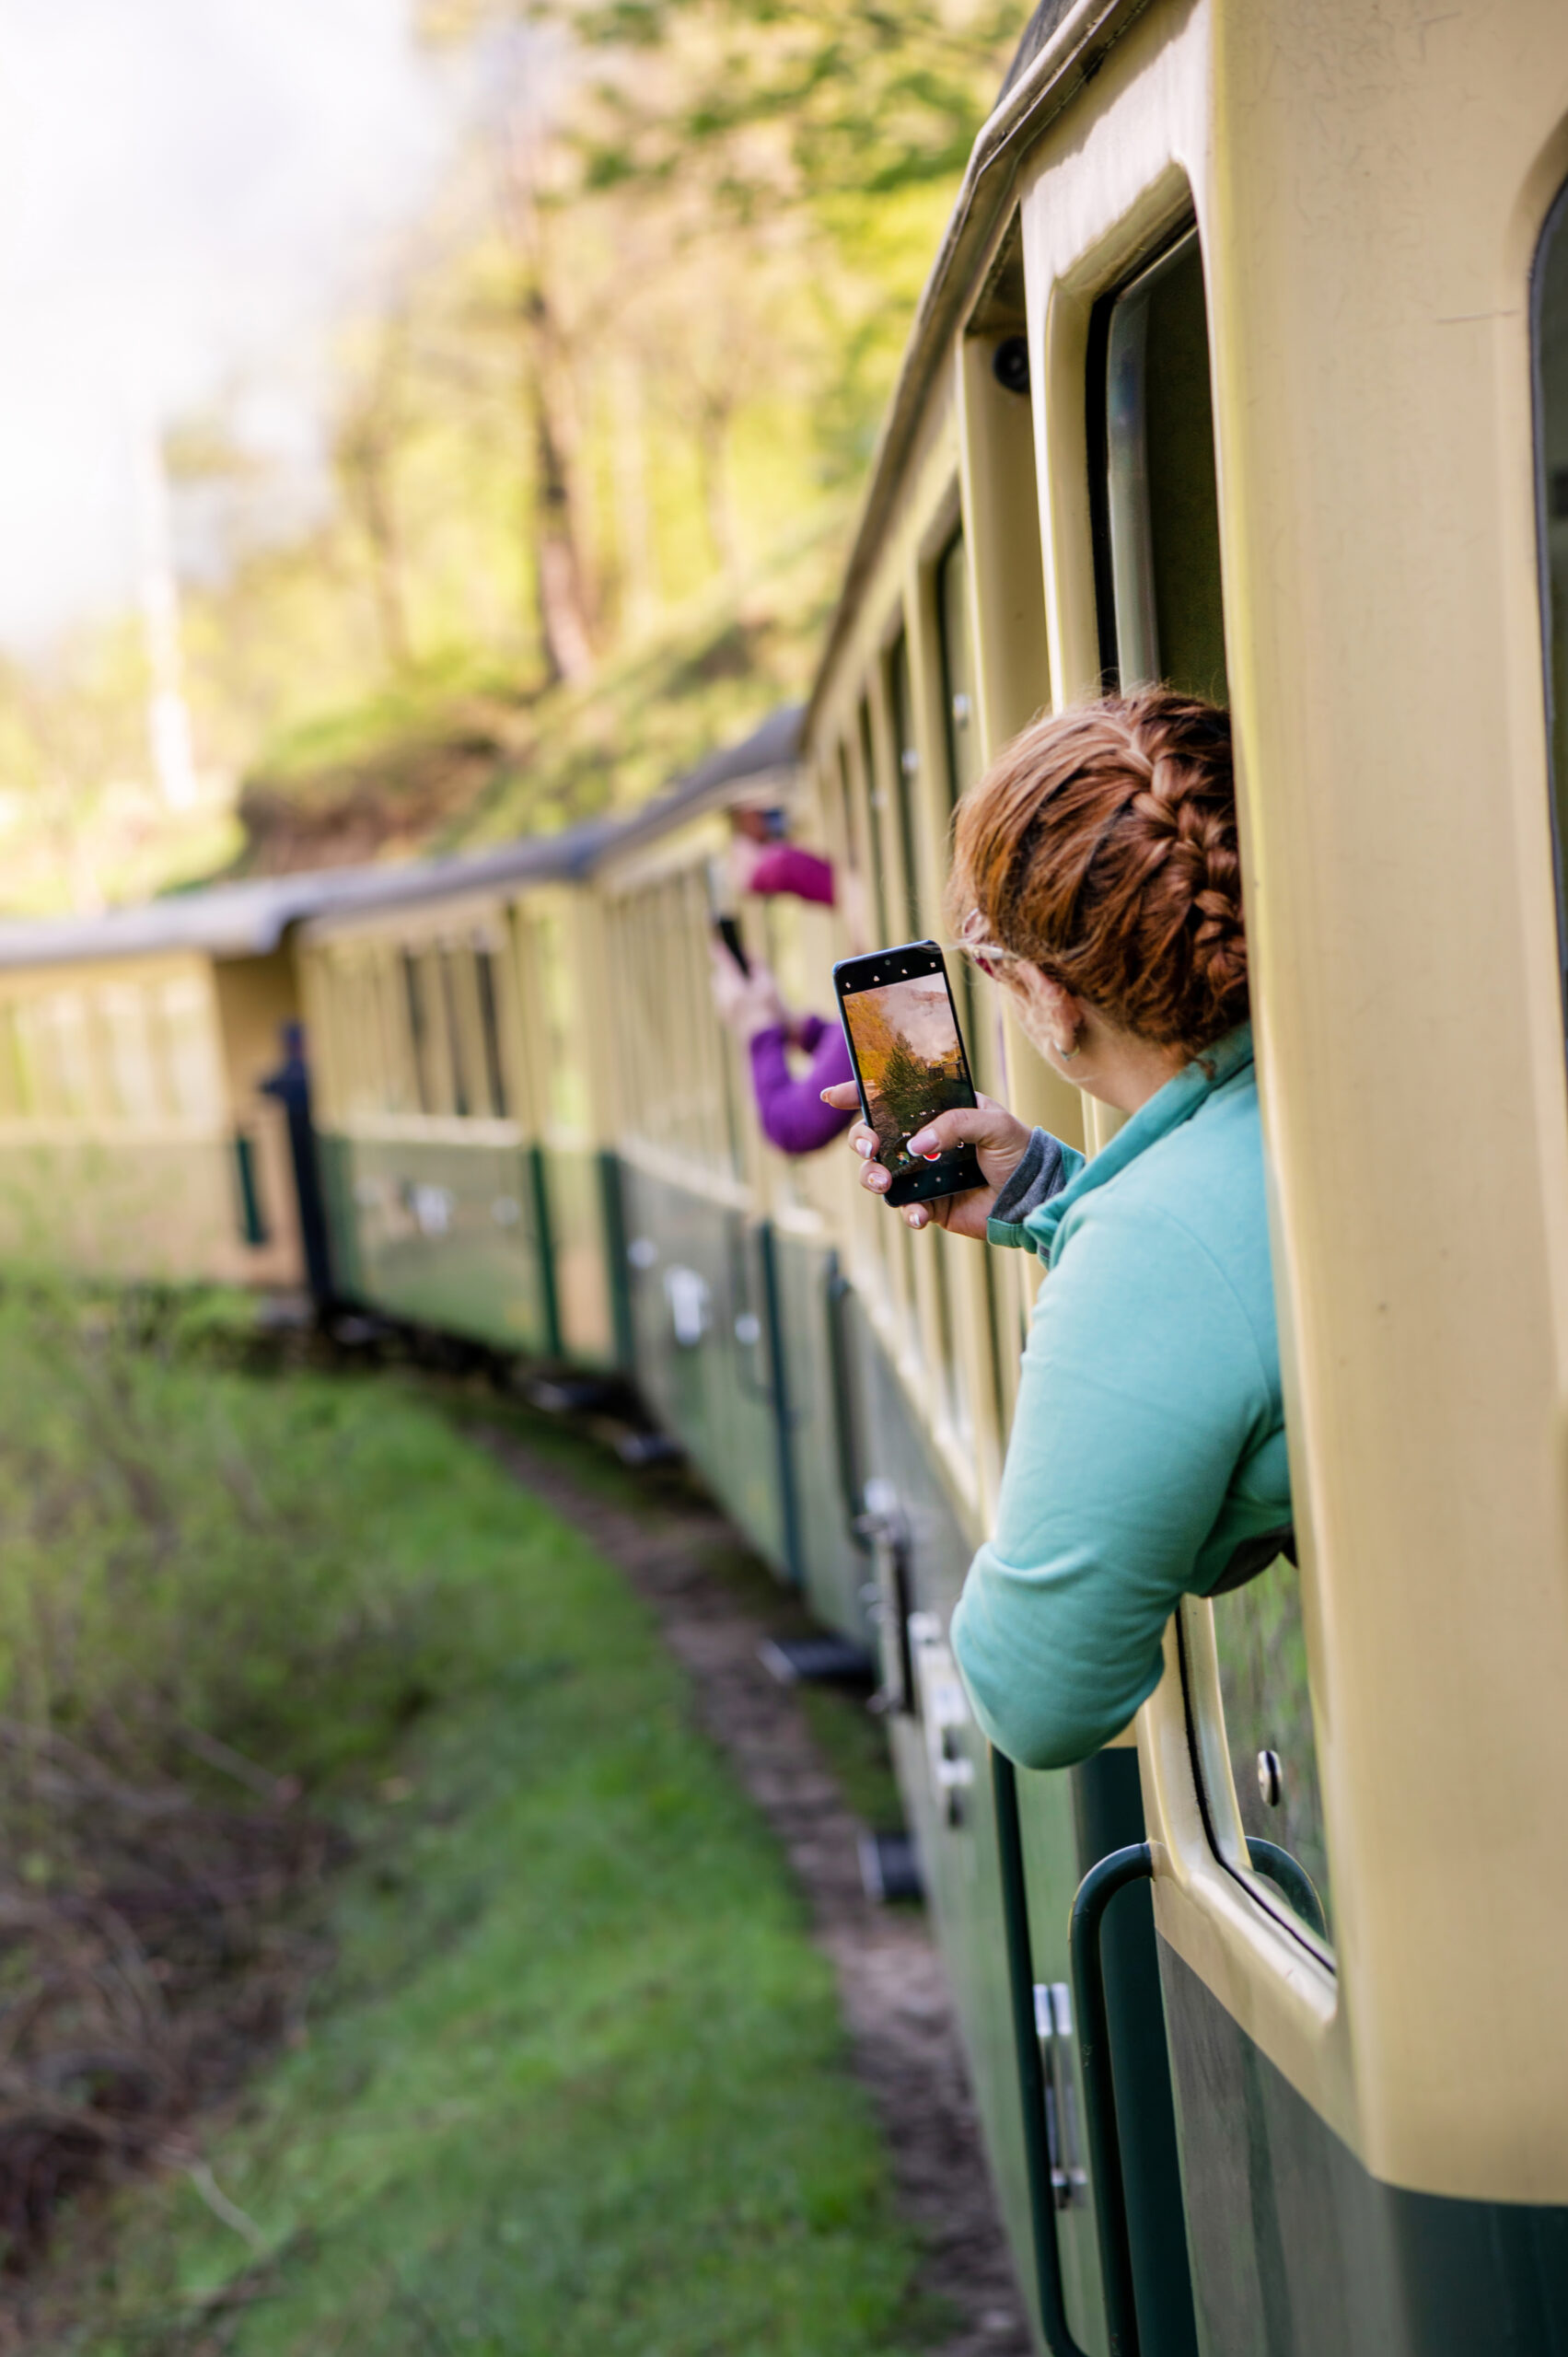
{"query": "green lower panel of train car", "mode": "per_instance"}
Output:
(1067, 1821)
(834, 1561)
(699, 1311)
(445, 1235)
(1298, 2252)
(580, 1192)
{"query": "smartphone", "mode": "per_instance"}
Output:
(908, 1054)
(730, 933)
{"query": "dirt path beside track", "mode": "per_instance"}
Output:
(897, 2005)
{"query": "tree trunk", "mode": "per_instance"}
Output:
(718, 503)
(563, 573)
(633, 523)
(559, 571)
(367, 465)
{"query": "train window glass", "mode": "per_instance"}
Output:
(1267, 1719)
(53, 1034)
(133, 1072)
(1552, 437)
(906, 782)
(190, 1058)
(959, 717)
(877, 806)
(13, 1082)
(451, 1007)
(1162, 504)
(489, 1028)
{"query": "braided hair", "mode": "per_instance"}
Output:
(1102, 846)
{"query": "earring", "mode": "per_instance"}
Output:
(1066, 1054)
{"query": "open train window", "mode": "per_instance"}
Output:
(462, 1096)
(489, 1028)
(1550, 321)
(133, 1073)
(189, 1050)
(1162, 616)
(1160, 540)
(418, 1029)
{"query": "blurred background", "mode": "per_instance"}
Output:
(428, 424)
(420, 426)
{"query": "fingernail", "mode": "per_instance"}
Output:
(878, 1178)
(863, 1146)
(920, 1144)
(918, 1219)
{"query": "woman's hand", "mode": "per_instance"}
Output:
(997, 1136)
(747, 1003)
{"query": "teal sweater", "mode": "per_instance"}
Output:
(1149, 1447)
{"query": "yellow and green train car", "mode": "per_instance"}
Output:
(135, 1140)
(1244, 363)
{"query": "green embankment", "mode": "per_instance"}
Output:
(576, 2083)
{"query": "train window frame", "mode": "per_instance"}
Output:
(1127, 580)
(1551, 487)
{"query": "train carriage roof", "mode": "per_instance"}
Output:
(243, 920)
(250, 919)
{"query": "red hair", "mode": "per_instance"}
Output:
(1102, 846)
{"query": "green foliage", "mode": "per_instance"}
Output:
(867, 99)
(626, 370)
(576, 2087)
(181, 1551)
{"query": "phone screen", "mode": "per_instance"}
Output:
(904, 1038)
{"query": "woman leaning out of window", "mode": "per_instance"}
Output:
(1097, 879)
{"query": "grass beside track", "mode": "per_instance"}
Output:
(575, 2084)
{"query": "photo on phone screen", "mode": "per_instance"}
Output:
(908, 1055)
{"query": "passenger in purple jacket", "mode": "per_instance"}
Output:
(791, 1110)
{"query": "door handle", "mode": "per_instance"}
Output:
(1058, 2334)
(1098, 1887)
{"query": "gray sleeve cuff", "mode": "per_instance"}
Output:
(1040, 1176)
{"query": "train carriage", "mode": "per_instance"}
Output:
(1260, 311)
(1244, 365)
(438, 1106)
(135, 1140)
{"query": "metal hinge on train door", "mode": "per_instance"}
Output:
(945, 1714)
(884, 1531)
(1053, 2027)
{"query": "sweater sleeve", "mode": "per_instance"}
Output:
(791, 1111)
(1142, 1388)
(1048, 1166)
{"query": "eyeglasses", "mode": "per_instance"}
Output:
(989, 955)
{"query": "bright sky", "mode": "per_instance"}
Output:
(188, 189)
